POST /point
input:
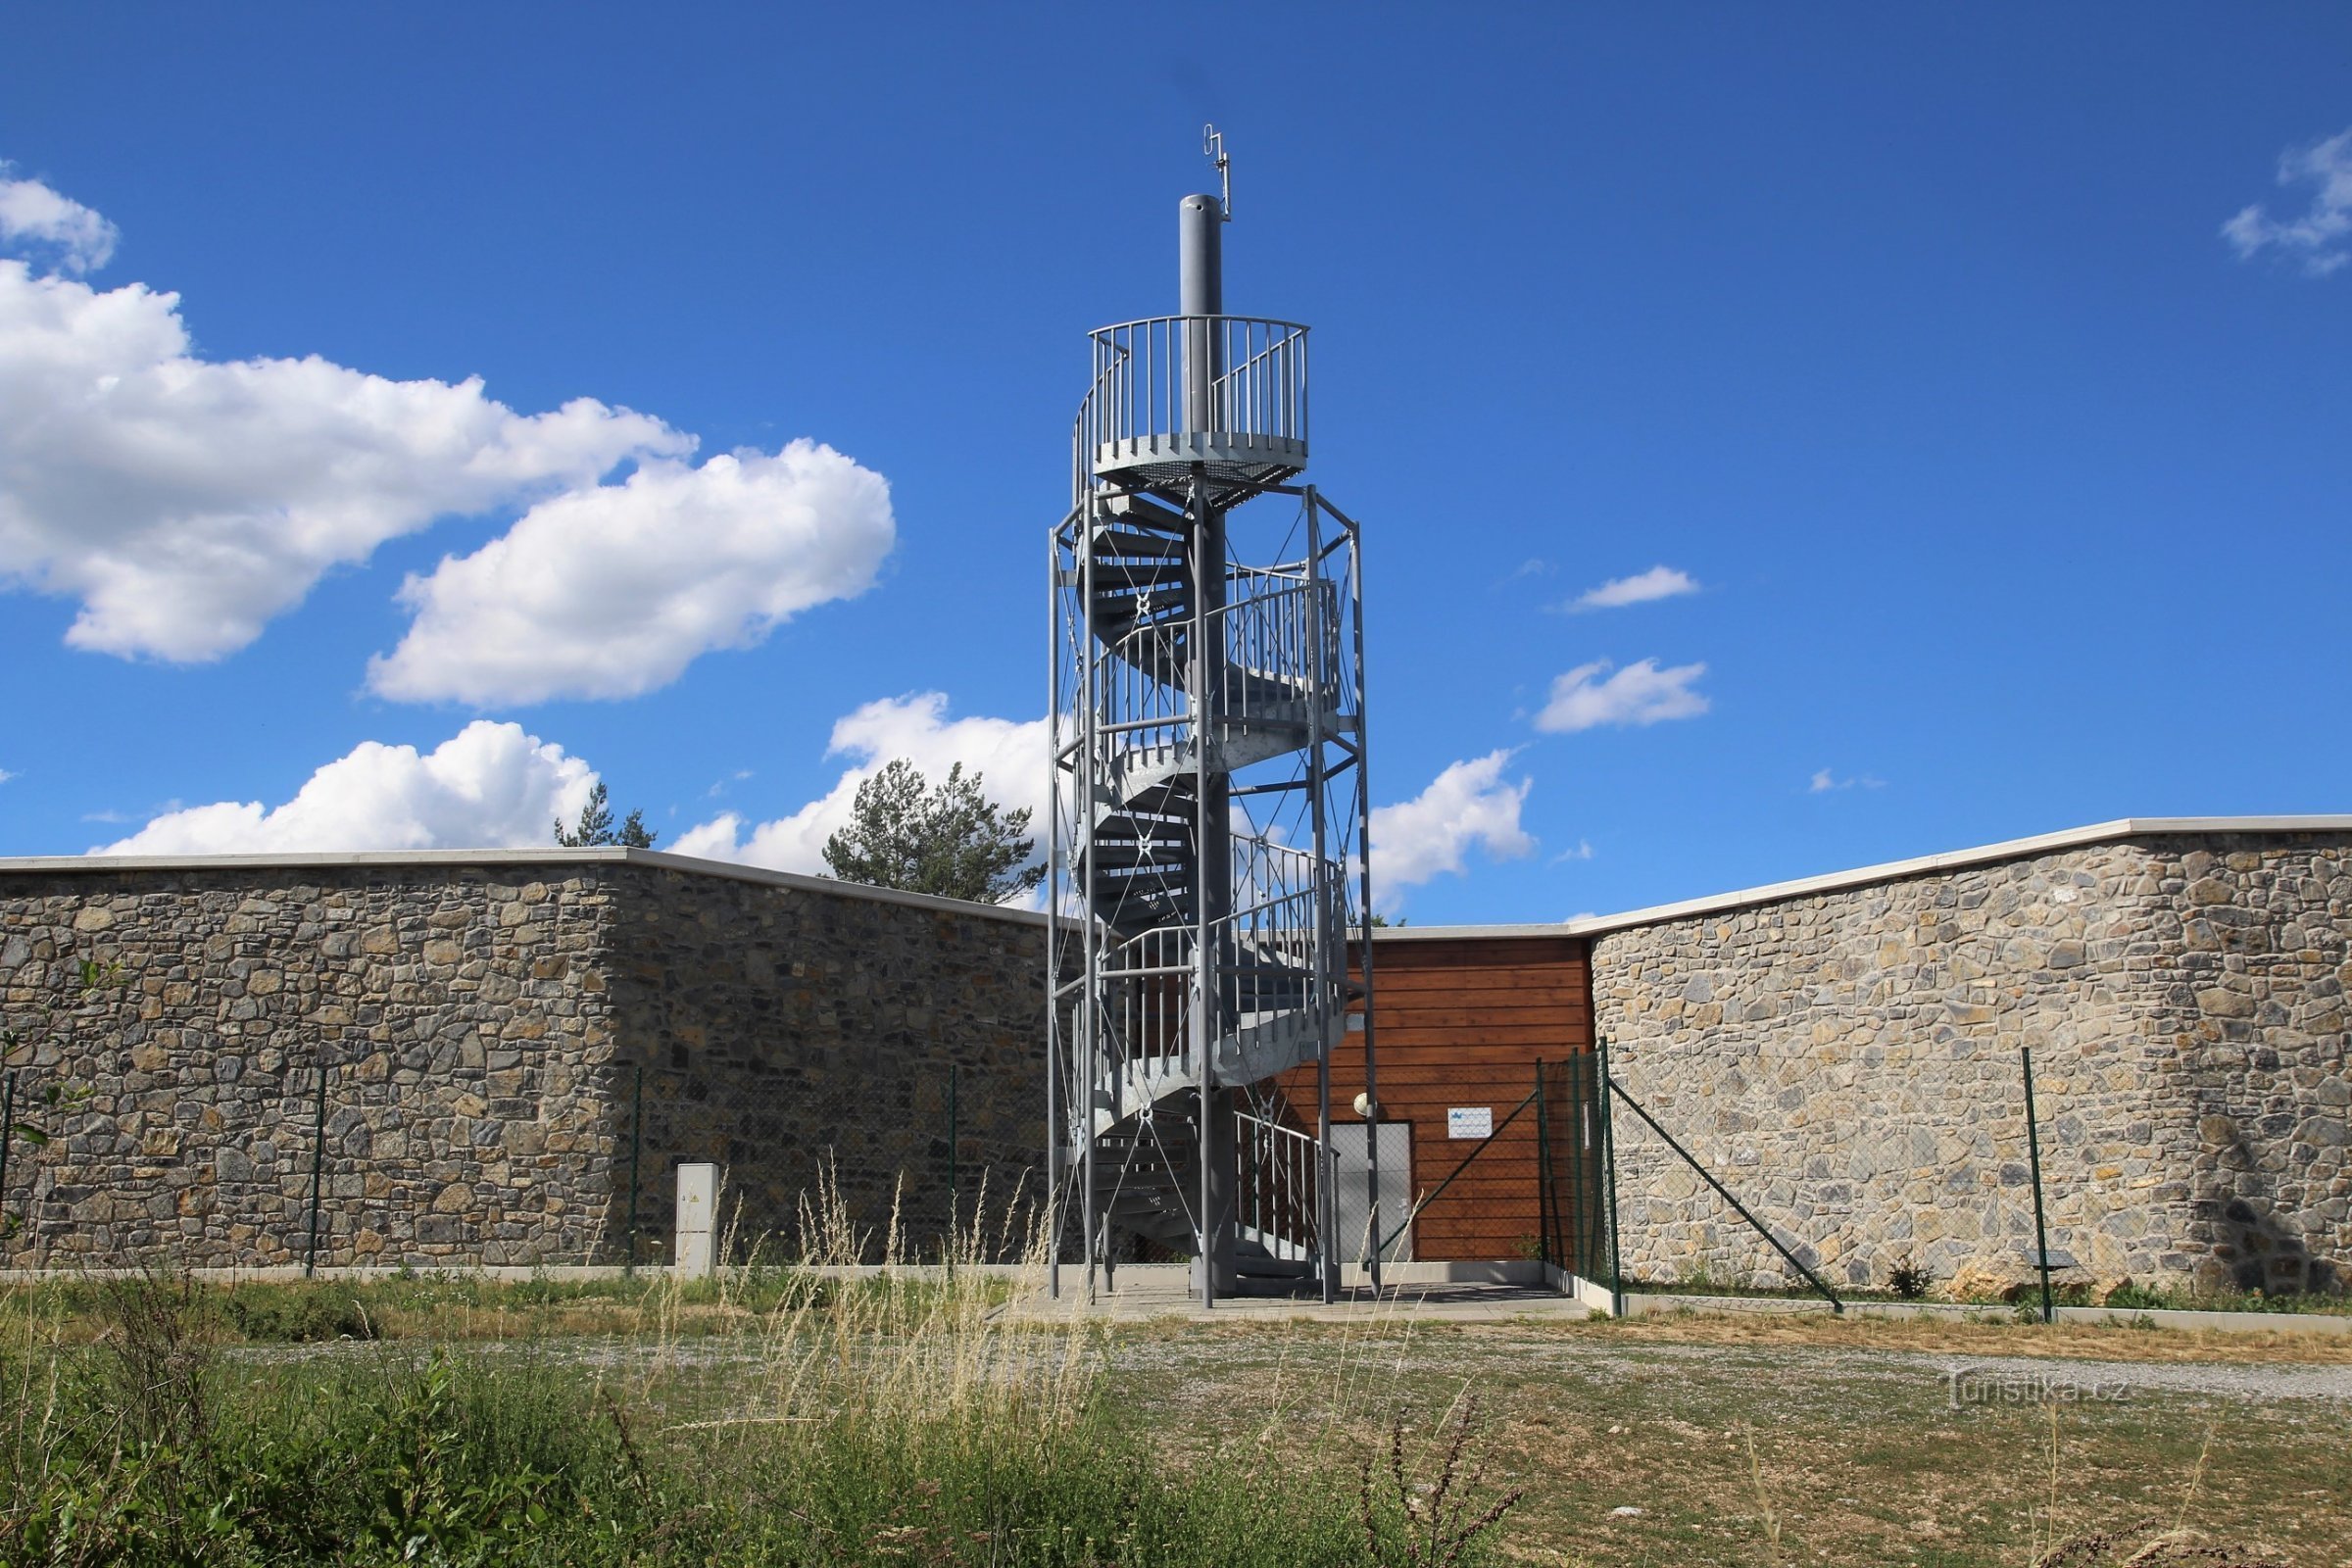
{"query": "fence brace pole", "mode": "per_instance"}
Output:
(1432, 1195)
(310, 1262)
(2041, 1234)
(636, 1142)
(1725, 1193)
(1608, 1160)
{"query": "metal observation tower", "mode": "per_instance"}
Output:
(1207, 844)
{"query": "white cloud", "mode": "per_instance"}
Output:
(489, 786)
(1009, 756)
(1638, 694)
(1825, 782)
(5, 775)
(1469, 804)
(1582, 851)
(186, 502)
(1658, 582)
(611, 591)
(2320, 238)
(32, 213)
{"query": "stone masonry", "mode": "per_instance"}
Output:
(486, 1025)
(1848, 1062)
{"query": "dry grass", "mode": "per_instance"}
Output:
(1739, 1439)
(1991, 1337)
(1742, 1443)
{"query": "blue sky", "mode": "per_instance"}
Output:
(2001, 447)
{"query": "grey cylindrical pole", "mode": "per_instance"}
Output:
(1201, 279)
(1200, 292)
(1200, 295)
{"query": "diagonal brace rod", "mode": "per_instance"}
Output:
(1725, 1193)
(1431, 1195)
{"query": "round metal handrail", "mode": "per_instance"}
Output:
(1228, 391)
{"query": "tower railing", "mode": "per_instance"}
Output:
(1281, 1183)
(1145, 403)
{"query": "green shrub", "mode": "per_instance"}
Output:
(296, 1315)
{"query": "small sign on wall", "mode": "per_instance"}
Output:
(1470, 1122)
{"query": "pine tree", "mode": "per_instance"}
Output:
(950, 841)
(595, 828)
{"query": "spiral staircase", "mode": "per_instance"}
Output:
(1205, 847)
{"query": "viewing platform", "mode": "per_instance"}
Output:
(1226, 393)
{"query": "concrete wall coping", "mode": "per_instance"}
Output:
(657, 860)
(2128, 828)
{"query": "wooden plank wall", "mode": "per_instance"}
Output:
(1462, 1024)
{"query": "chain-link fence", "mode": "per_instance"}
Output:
(1977, 1176)
(295, 1161)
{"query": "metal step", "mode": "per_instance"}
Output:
(1145, 512)
(1110, 575)
(1127, 542)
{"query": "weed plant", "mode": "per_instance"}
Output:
(895, 1419)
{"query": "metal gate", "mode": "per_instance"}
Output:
(1353, 1174)
(1574, 1167)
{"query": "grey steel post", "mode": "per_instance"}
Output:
(1326, 1202)
(1363, 818)
(1053, 831)
(1200, 290)
(1201, 294)
(1090, 1029)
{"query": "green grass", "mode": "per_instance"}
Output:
(458, 1457)
(472, 1305)
(783, 1417)
(914, 1423)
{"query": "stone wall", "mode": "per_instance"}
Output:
(1848, 1062)
(469, 1067)
(803, 1040)
(486, 1027)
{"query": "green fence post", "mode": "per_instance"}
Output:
(1587, 1147)
(8, 1134)
(2041, 1234)
(1608, 1161)
(1544, 1206)
(310, 1261)
(636, 1144)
